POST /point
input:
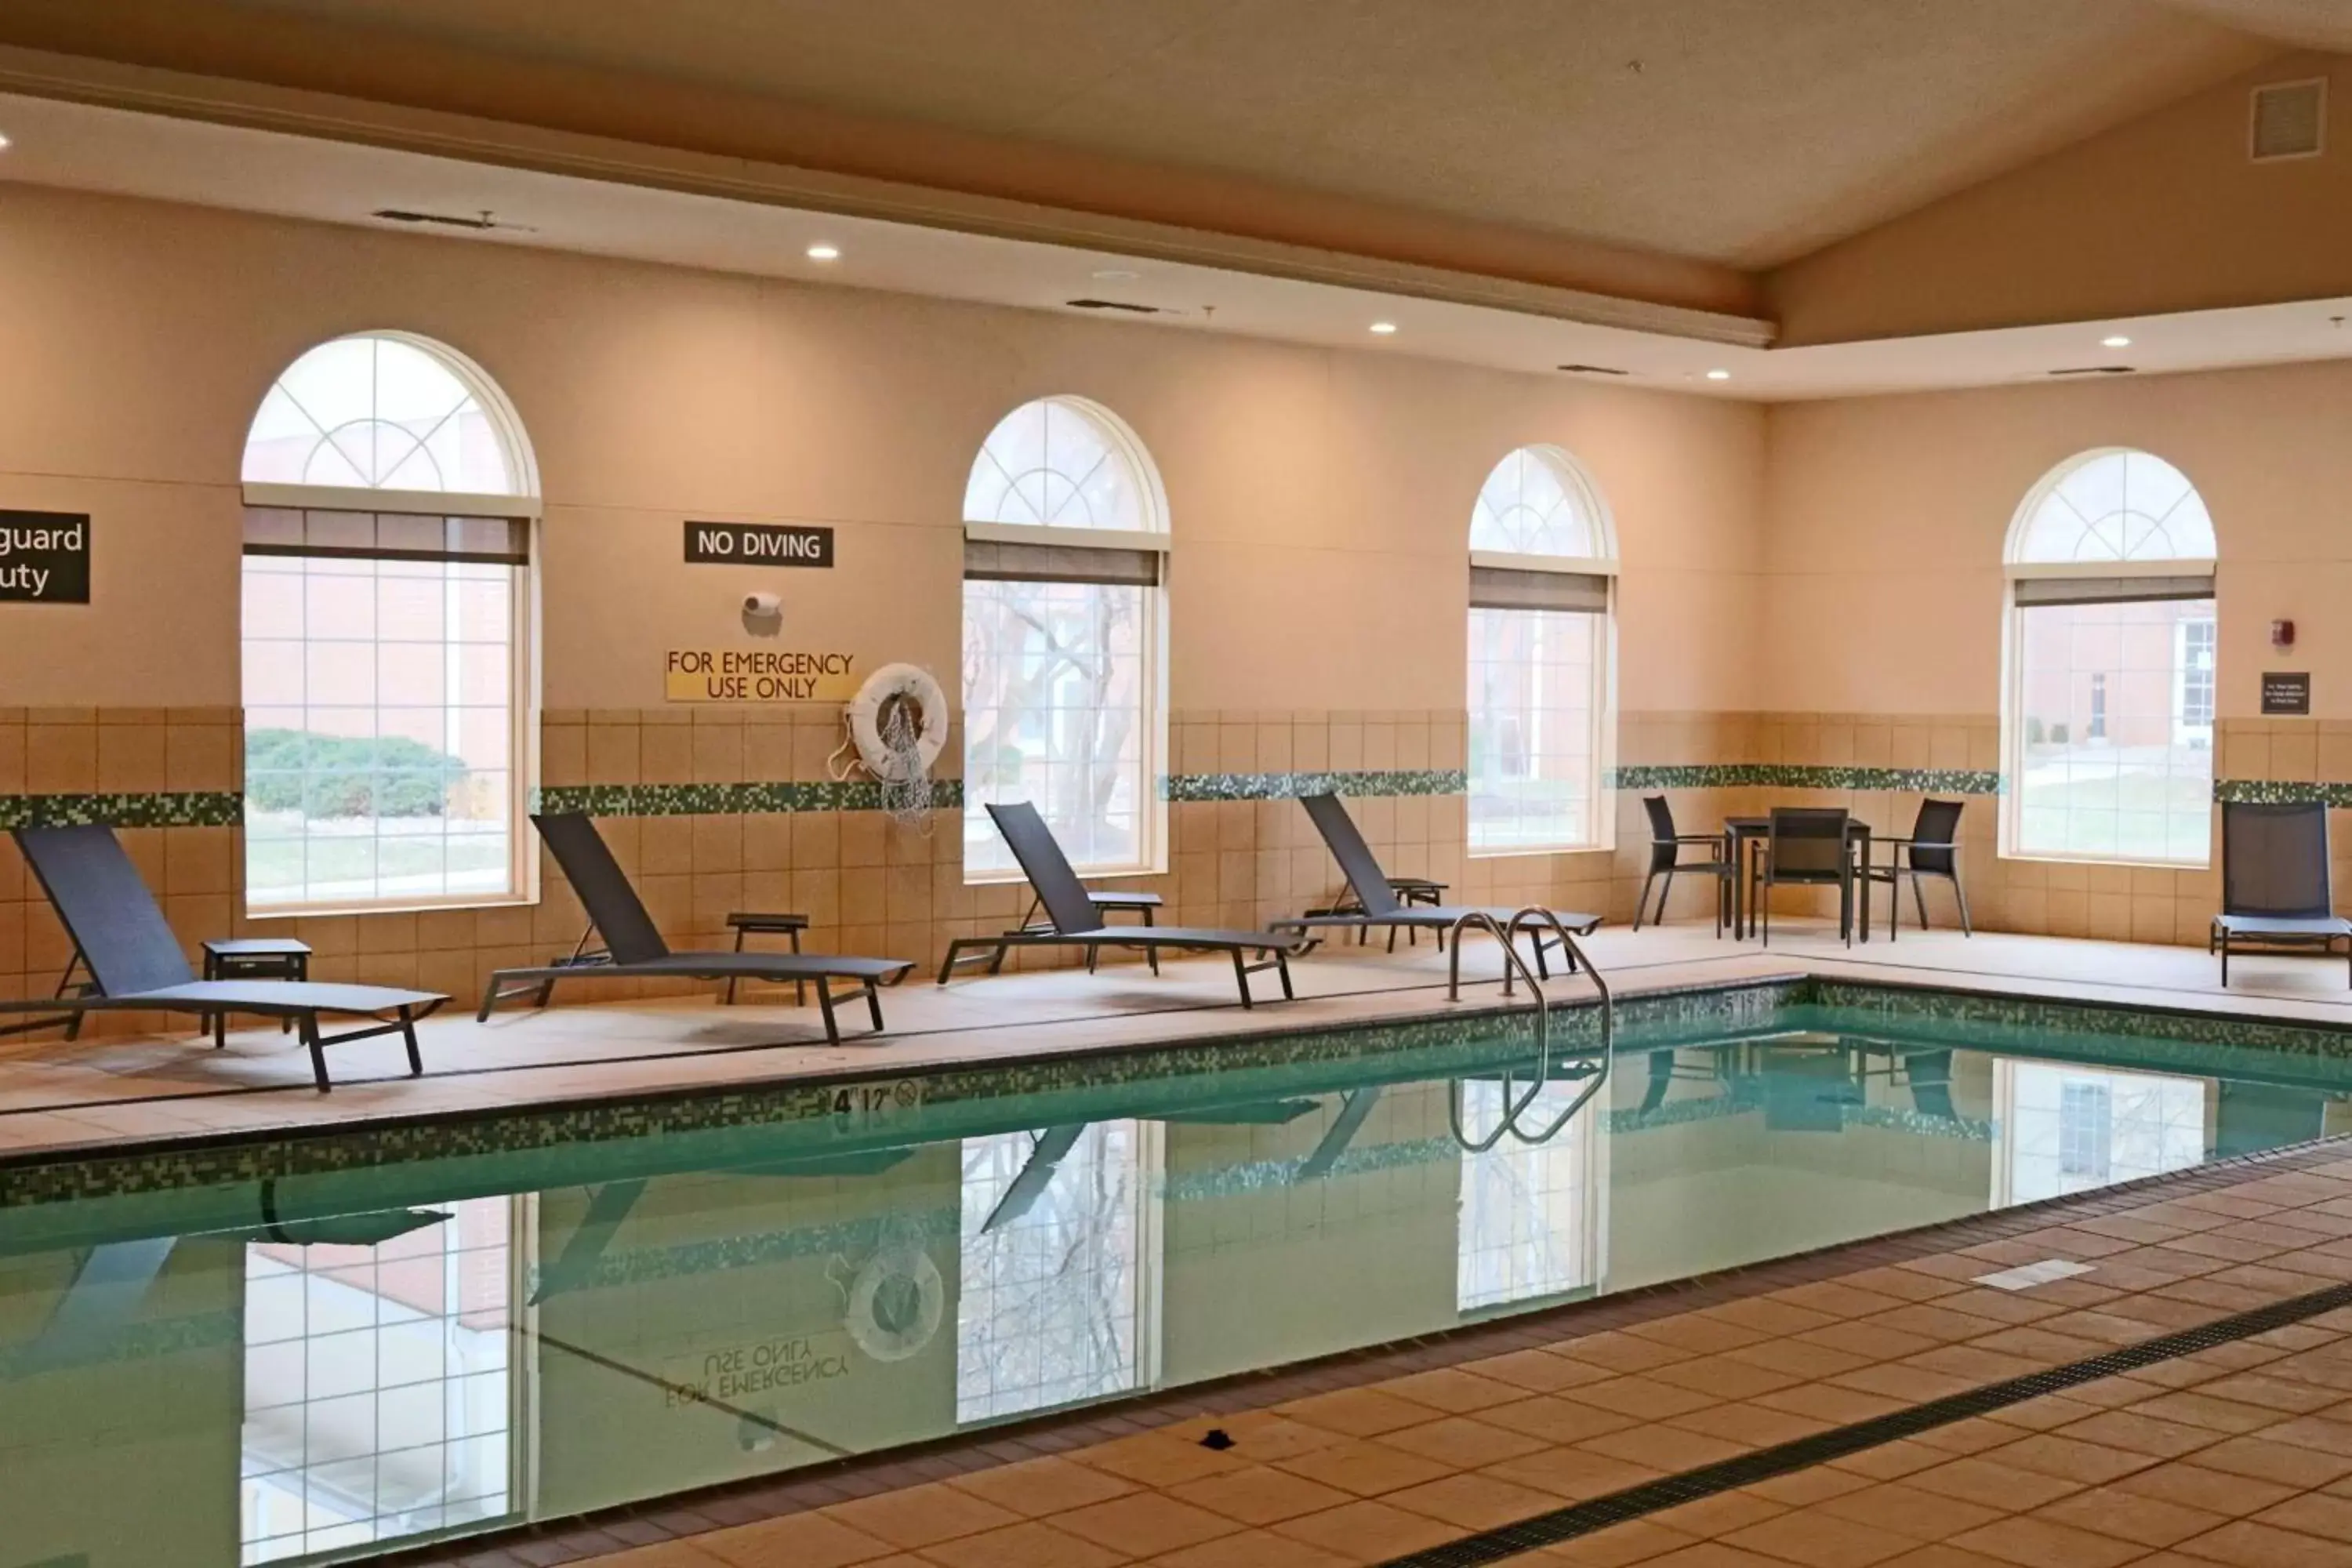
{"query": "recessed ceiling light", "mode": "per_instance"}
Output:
(2117, 342)
(4, 143)
(1384, 327)
(1115, 274)
(825, 253)
(1718, 376)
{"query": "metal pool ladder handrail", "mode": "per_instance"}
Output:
(1515, 966)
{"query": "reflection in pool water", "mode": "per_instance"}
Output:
(444, 1346)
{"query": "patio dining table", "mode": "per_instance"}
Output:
(1745, 838)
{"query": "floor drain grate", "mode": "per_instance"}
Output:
(1670, 1492)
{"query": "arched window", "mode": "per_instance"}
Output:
(390, 494)
(2108, 721)
(1543, 558)
(1065, 532)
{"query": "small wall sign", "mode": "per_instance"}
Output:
(757, 674)
(758, 544)
(2286, 694)
(45, 557)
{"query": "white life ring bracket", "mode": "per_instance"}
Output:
(897, 683)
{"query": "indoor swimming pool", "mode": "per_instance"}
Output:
(348, 1345)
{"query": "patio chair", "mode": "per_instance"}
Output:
(2275, 890)
(1378, 904)
(1076, 921)
(135, 963)
(634, 949)
(1933, 850)
(1666, 847)
(1807, 846)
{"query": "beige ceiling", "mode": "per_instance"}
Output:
(1742, 132)
(2305, 24)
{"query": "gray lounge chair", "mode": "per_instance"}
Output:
(2275, 893)
(634, 949)
(1076, 921)
(1379, 905)
(136, 964)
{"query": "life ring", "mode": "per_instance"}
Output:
(895, 1303)
(905, 683)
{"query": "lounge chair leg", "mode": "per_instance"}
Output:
(2225, 960)
(825, 1004)
(1666, 896)
(1393, 933)
(873, 1004)
(220, 1022)
(1151, 954)
(409, 1038)
(1962, 894)
(1240, 977)
(1919, 898)
(1282, 968)
(1642, 902)
(311, 1041)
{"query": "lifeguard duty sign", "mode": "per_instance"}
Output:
(758, 544)
(45, 557)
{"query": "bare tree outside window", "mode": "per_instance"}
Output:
(1059, 684)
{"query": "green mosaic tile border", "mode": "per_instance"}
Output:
(2155, 1038)
(728, 799)
(559, 1133)
(1362, 782)
(147, 1338)
(1792, 775)
(2280, 792)
(186, 808)
(556, 1145)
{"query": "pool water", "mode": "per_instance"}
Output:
(339, 1363)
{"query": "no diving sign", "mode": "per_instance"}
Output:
(759, 544)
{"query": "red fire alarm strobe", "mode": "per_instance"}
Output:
(2281, 635)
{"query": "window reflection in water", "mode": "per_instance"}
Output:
(2064, 1129)
(378, 1389)
(1530, 1220)
(1059, 1241)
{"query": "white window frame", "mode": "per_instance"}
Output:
(523, 701)
(2013, 670)
(1151, 816)
(1603, 703)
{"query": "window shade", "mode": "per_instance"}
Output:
(988, 560)
(2109, 590)
(1499, 588)
(386, 536)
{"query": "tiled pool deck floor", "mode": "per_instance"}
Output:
(2239, 1454)
(54, 1095)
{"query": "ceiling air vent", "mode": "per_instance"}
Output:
(1595, 370)
(1113, 305)
(2097, 370)
(2290, 121)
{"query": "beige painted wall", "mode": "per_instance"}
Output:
(1887, 519)
(1319, 498)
